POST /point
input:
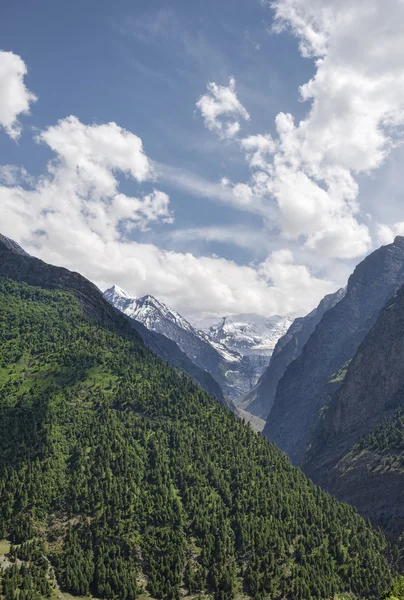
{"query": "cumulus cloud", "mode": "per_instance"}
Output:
(79, 192)
(286, 277)
(258, 148)
(221, 109)
(74, 215)
(354, 119)
(15, 97)
(386, 233)
(91, 154)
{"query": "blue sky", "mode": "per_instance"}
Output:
(144, 66)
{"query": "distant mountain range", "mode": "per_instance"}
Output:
(250, 334)
(235, 351)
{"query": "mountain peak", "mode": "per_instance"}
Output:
(399, 241)
(249, 333)
(11, 246)
(149, 299)
(117, 291)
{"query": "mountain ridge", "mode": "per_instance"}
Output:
(303, 389)
(260, 399)
(23, 267)
(351, 454)
(119, 475)
(232, 369)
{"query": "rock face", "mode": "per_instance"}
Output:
(303, 390)
(260, 399)
(11, 245)
(20, 266)
(232, 371)
(251, 335)
(367, 471)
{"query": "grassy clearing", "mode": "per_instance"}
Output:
(4, 546)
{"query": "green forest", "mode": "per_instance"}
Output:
(120, 477)
(389, 436)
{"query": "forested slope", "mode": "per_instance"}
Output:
(357, 450)
(16, 263)
(131, 477)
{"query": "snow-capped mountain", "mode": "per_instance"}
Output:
(235, 351)
(250, 333)
(230, 369)
(118, 297)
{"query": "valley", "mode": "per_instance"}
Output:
(201, 300)
(126, 455)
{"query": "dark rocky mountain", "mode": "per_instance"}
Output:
(310, 379)
(260, 399)
(20, 266)
(357, 449)
(234, 373)
(8, 244)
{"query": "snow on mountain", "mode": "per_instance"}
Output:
(235, 351)
(156, 316)
(152, 313)
(234, 374)
(118, 297)
(250, 333)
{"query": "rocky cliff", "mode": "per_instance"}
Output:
(260, 399)
(303, 390)
(357, 449)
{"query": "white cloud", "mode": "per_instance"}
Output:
(15, 98)
(192, 183)
(386, 234)
(258, 148)
(12, 175)
(250, 198)
(287, 278)
(355, 118)
(90, 154)
(221, 109)
(75, 216)
(197, 286)
(356, 115)
(79, 193)
(238, 235)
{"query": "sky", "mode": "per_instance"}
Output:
(226, 156)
